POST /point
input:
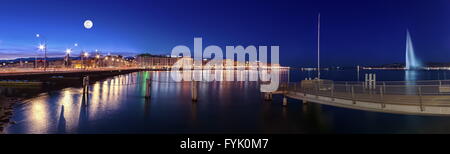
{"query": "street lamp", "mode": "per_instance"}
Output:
(97, 60)
(68, 51)
(43, 47)
(85, 55)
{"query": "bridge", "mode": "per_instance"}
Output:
(35, 76)
(402, 97)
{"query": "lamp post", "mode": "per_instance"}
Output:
(75, 45)
(85, 55)
(67, 59)
(43, 47)
(97, 58)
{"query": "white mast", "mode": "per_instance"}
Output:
(318, 48)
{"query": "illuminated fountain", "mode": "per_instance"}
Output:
(412, 65)
(411, 60)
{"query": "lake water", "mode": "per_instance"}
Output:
(118, 105)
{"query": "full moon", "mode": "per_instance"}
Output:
(88, 24)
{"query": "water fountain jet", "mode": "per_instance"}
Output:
(411, 61)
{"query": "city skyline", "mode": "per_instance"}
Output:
(135, 27)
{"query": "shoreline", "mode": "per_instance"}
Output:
(6, 111)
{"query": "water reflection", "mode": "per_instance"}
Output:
(118, 105)
(411, 78)
(38, 116)
(62, 121)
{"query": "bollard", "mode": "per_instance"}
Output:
(285, 102)
(194, 90)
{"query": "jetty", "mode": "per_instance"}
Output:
(405, 97)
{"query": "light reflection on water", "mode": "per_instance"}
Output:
(117, 105)
(411, 77)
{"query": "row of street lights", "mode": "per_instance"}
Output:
(84, 55)
(43, 47)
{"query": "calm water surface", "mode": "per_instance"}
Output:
(117, 105)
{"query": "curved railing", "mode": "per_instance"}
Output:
(420, 93)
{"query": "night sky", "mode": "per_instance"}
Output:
(354, 32)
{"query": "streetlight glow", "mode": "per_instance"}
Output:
(86, 54)
(41, 47)
(68, 51)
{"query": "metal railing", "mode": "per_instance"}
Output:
(421, 93)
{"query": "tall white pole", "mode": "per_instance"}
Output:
(318, 48)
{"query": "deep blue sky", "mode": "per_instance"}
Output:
(354, 32)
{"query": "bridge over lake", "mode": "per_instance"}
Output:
(30, 77)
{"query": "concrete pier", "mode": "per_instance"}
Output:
(422, 98)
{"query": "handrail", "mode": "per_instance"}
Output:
(394, 82)
(420, 95)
